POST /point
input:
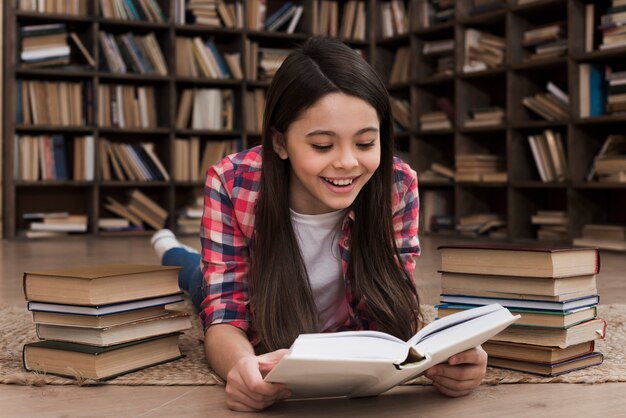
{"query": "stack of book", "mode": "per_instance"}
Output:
(431, 12)
(491, 224)
(613, 25)
(616, 89)
(198, 58)
(483, 50)
(140, 209)
(546, 41)
(434, 120)
(44, 45)
(480, 167)
(147, 11)
(552, 225)
(485, 116)
(612, 161)
(553, 104)
(217, 13)
(606, 237)
(485, 6)
(554, 291)
(549, 155)
(54, 224)
(98, 322)
(116, 225)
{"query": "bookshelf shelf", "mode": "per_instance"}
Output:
(427, 82)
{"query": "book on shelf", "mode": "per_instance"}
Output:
(548, 369)
(607, 237)
(519, 284)
(100, 284)
(482, 51)
(96, 314)
(132, 53)
(536, 353)
(613, 146)
(442, 169)
(429, 13)
(401, 112)
(433, 203)
(134, 162)
(546, 41)
(84, 52)
(127, 106)
(192, 109)
(146, 209)
(519, 260)
(472, 167)
(74, 8)
(254, 101)
(142, 10)
(53, 103)
(611, 25)
(287, 16)
(485, 116)
(480, 223)
(372, 362)
(44, 45)
(592, 90)
(99, 363)
(393, 18)
(401, 69)
(533, 317)
(171, 322)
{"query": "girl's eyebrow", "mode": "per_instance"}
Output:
(332, 133)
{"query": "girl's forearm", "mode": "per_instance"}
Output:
(224, 346)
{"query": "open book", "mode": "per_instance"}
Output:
(367, 363)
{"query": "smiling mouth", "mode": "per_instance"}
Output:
(340, 182)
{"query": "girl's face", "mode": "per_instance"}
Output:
(333, 149)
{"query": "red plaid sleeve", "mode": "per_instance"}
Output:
(227, 224)
(405, 203)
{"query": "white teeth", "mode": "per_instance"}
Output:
(343, 182)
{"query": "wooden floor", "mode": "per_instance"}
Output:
(555, 400)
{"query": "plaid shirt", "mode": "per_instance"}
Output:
(231, 192)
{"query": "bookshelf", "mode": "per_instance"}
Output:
(89, 197)
(431, 77)
(518, 197)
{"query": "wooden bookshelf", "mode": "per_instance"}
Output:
(523, 193)
(88, 197)
(516, 199)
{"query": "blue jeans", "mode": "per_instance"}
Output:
(190, 278)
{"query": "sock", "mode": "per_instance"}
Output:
(164, 240)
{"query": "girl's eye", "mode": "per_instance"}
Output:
(321, 147)
(367, 144)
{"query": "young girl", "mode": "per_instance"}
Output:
(314, 231)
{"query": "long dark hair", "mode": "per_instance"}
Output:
(282, 304)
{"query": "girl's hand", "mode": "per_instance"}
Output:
(245, 388)
(461, 374)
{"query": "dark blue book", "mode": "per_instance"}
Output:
(278, 13)
(218, 58)
(138, 10)
(19, 116)
(597, 91)
(155, 173)
(59, 153)
(47, 29)
(132, 64)
(138, 50)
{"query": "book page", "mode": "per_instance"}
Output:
(350, 345)
(450, 321)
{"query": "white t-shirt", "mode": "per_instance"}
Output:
(318, 237)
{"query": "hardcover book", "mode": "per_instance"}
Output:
(367, 363)
(100, 284)
(516, 260)
(80, 361)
